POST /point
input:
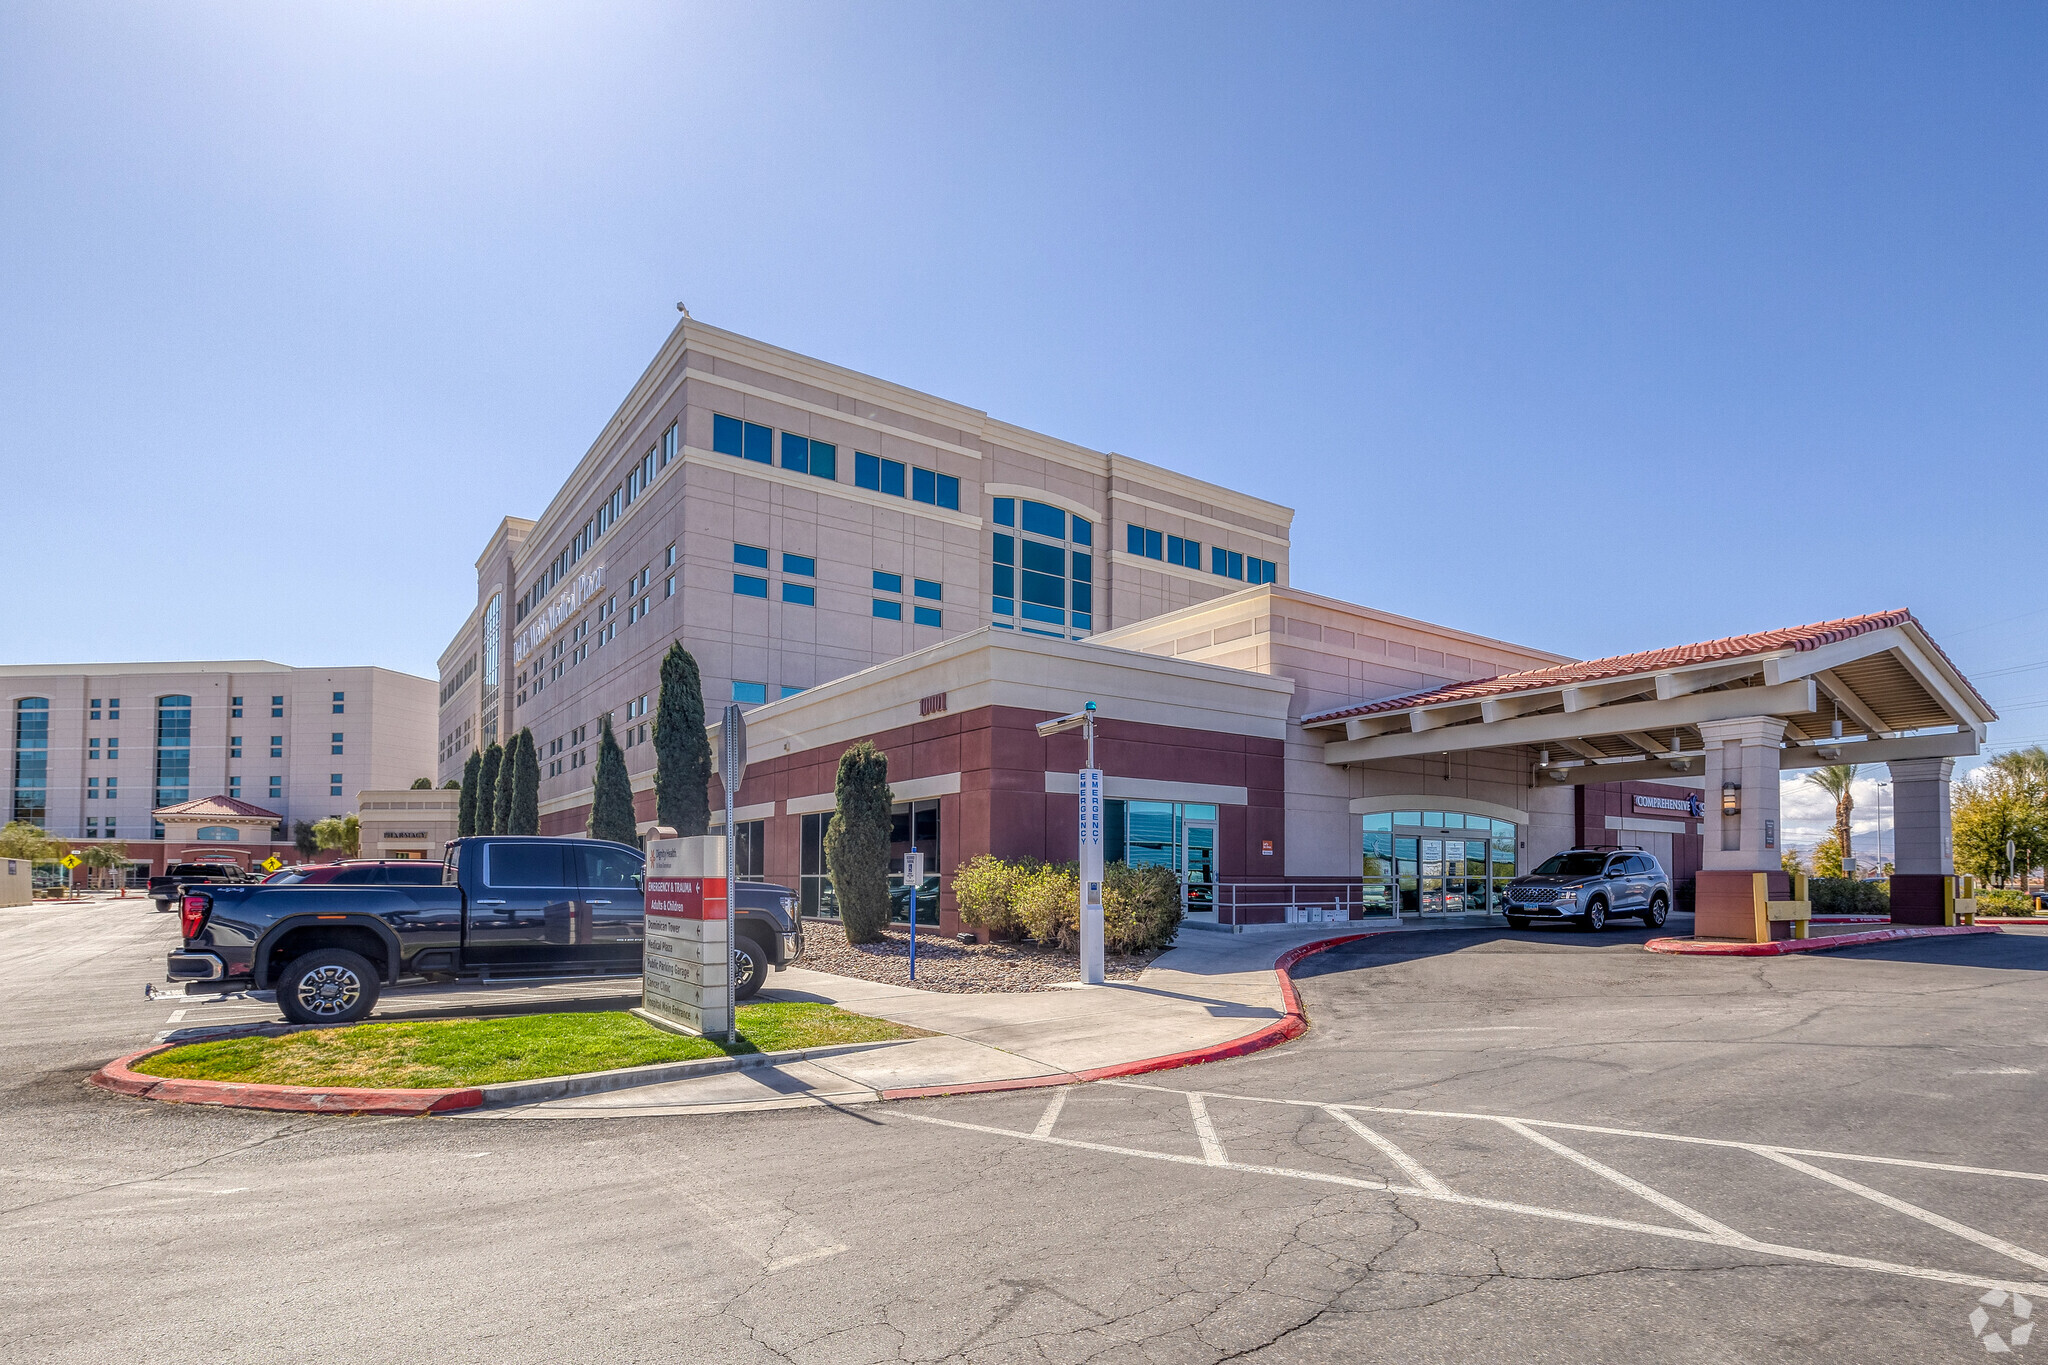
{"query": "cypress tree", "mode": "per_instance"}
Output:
(682, 751)
(857, 842)
(465, 808)
(525, 785)
(501, 801)
(611, 792)
(487, 789)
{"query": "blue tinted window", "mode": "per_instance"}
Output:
(749, 693)
(1134, 540)
(1045, 589)
(926, 616)
(1042, 558)
(801, 565)
(1084, 567)
(1005, 583)
(949, 492)
(924, 587)
(1004, 606)
(1155, 545)
(746, 585)
(1041, 520)
(1236, 564)
(924, 486)
(1219, 560)
(1006, 549)
(867, 471)
(796, 453)
(802, 594)
(1033, 612)
(892, 478)
(1083, 621)
(888, 582)
(725, 434)
(1084, 598)
(1084, 531)
(789, 691)
(888, 611)
(760, 444)
(750, 554)
(824, 460)
(1006, 511)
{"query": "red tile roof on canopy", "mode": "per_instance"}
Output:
(217, 806)
(1797, 638)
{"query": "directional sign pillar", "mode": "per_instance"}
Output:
(686, 979)
(1091, 873)
(732, 769)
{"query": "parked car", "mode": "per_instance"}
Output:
(504, 906)
(1591, 886)
(360, 872)
(166, 890)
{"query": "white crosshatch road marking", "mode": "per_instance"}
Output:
(1424, 1185)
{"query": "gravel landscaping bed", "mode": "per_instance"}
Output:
(946, 965)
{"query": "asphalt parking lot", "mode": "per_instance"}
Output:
(1542, 1146)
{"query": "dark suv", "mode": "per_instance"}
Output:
(1591, 885)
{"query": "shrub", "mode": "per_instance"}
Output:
(2003, 900)
(985, 888)
(1841, 896)
(1048, 900)
(682, 748)
(857, 842)
(1140, 907)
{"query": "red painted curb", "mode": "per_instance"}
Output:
(119, 1075)
(2012, 919)
(1291, 1025)
(1690, 948)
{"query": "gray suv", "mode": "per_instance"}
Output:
(1591, 886)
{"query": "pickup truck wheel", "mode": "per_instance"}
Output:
(749, 966)
(327, 986)
(1659, 911)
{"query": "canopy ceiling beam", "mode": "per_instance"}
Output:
(1789, 699)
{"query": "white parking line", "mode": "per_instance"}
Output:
(1205, 1132)
(1410, 1167)
(1791, 1253)
(1633, 1186)
(1982, 1239)
(1051, 1115)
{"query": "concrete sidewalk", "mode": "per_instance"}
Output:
(1204, 993)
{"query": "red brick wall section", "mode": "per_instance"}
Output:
(1596, 801)
(1002, 806)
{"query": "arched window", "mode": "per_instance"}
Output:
(173, 750)
(218, 834)
(32, 759)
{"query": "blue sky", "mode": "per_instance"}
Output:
(1595, 327)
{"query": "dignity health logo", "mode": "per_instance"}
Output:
(2017, 1322)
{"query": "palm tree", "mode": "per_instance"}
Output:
(1836, 781)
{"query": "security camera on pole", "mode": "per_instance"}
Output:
(1091, 840)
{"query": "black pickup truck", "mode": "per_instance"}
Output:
(507, 906)
(166, 889)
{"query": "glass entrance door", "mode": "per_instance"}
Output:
(1437, 862)
(1198, 869)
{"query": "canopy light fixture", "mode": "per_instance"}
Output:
(1731, 798)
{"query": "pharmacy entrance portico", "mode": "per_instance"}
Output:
(1726, 715)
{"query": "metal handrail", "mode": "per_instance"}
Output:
(1301, 902)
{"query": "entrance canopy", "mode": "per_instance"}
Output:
(1865, 689)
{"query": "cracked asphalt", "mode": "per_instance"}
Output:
(1254, 1222)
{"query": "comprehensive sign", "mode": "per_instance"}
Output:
(1693, 805)
(1091, 876)
(686, 977)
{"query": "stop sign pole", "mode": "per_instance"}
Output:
(732, 766)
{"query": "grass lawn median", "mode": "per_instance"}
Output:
(435, 1054)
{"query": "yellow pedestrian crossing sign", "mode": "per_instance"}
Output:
(71, 860)
(270, 864)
